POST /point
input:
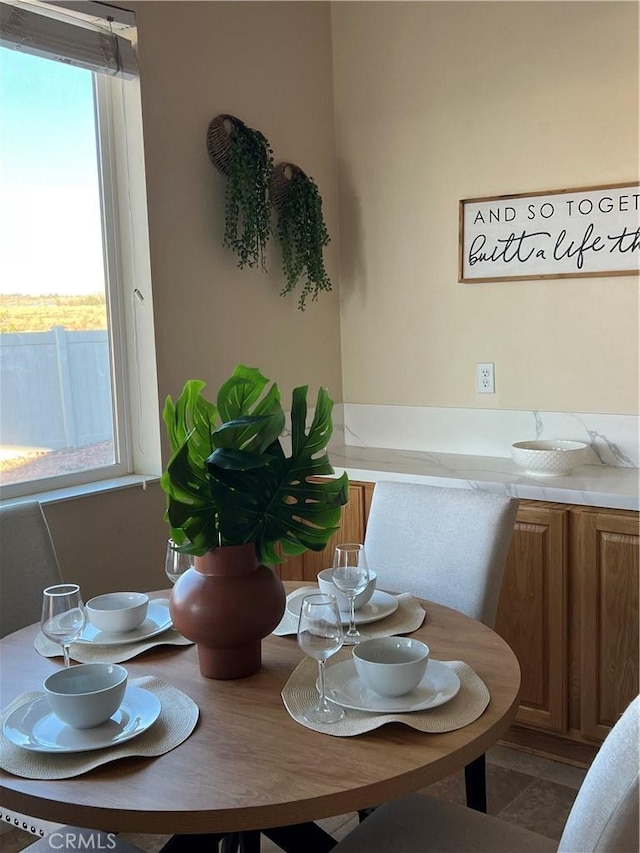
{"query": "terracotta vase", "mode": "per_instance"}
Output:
(227, 604)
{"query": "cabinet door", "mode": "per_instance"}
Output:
(606, 552)
(352, 526)
(532, 612)
(351, 530)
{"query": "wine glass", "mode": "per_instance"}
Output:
(351, 576)
(63, 615)
(175, 563)
(320, 636)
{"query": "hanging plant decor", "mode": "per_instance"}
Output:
(245, 157)
(301, 231)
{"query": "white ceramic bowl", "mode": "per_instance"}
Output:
(326, 585)
(86, 695)
(391, 666)
(117, 612)
(552, 458)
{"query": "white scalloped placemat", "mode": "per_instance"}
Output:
(177, 720)
(408, 617)
(86, 653)
(300, 695)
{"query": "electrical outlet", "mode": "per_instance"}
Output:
(485, 378)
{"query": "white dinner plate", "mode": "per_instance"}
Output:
(33, 725)
(157, 621)
(344, 687)
(380, 604)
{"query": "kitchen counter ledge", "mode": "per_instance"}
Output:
(589, 485)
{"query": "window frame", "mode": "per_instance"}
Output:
(136, 432)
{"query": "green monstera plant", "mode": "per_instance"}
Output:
(229, 480)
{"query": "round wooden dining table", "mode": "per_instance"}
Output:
(248, 765)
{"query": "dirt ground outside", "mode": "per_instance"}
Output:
(22, 464)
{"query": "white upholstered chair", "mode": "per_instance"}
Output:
(604, 817)
(446, 545)
(28, 564)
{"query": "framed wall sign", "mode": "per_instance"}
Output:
(586, 231)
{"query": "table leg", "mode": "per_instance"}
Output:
(301, 836)
(291, 839)
(206, 843)
(249, 842)
(364, 813)
(475, 778)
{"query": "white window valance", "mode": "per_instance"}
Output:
(75, 42)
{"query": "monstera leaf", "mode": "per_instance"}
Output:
(270, 500)
(230, 483)
(192, 426)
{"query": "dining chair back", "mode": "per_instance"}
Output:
(28, 564)
(443, 544)
(604, 817)
(446, 545)
(605, 814)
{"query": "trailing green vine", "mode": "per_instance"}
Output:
(303, 235)
(247, 226)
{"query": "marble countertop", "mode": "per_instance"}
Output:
(589, 485)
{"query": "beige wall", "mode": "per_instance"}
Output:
(270, 65)
(199, 59)
(111, 540)
(441, 101)
(434, 102)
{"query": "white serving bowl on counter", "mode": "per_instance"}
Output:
(327, 586)
(86, 695)
(391, 666)
(550, 458)
(117, 612)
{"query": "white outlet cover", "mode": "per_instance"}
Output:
(485, 377)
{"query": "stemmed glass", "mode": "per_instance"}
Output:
(175, 563)
(350, 576)
(63, 615)
(320, 636)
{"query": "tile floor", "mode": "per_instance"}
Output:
(523, 789)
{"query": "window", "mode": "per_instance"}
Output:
(76, 323)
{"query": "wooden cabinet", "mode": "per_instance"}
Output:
(606, 546)
(568, 608)
(532, 612)
(352, 527)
